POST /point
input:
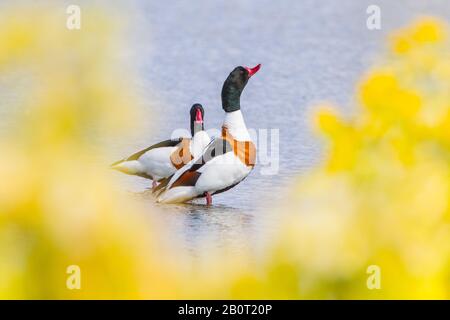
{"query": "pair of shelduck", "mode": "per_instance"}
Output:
(189, 168)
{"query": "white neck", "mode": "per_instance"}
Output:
(235, 123)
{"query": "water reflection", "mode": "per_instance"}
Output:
(200, 227)
(210, 226)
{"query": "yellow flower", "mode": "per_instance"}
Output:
(423, 32)
(427, 31)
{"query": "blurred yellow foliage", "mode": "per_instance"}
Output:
(429, 31)
(56, 208)
(383, 195)
(381, 198)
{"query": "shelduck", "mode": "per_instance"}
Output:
(163, 159)
(227, 160)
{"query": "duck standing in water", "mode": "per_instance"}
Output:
(227, 160)
(163, 159)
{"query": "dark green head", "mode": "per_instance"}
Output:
(234, 85)
(197, 115)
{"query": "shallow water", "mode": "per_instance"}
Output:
(311, 51)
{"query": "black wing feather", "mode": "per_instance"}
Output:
(217, 147)
(137, 155)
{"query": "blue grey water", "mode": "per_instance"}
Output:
(311, 51)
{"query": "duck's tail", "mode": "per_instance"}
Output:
(132, 167)
(113, 165)
(177, 195)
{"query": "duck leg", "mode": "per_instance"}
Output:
(208, 198)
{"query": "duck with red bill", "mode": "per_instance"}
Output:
(161, 160)
(227, 160)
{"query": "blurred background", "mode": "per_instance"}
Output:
(73, 101)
